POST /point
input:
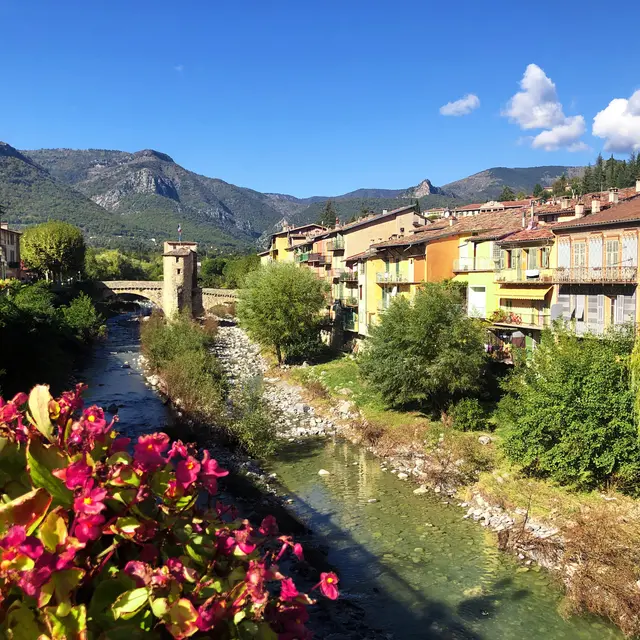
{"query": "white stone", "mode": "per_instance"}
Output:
(403, 476)
(421, 490)
(484, 440)
(324, 472)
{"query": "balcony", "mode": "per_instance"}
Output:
(473, 264)
(302, 257)
(337, 244)
(595, 275)
(524, 319)
(351, 323)
(391, 277)
(346, 276)
(350, 301)
(523, 276)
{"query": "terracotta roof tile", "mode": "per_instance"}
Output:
(626, 211)
(529, 235)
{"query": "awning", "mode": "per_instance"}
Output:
(524, 293)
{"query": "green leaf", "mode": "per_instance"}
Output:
(119, 458)
(71, 626)
(27, 510)
(104, 595)
(127, 526)
(12, 461)
(39, 399)
(130, 602)
(53, 530)
(42, 460)
(239, 617)
(21, 622)
(160, 607)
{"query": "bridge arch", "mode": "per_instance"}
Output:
(151, 291)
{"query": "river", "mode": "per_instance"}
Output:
(414, 564)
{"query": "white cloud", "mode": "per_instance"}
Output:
(461, 107)
(537, 107)
(562, 135)
(619, 124)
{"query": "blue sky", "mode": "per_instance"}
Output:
(322, 97)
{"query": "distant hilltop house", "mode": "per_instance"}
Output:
(9, 252)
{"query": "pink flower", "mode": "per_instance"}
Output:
(93, 420)
(297, 551)
(209, 613)
(254, 580)
(242, 538)
(329, 585)
(178, 449)
(89, 502)
(16, 542)
(31, 581)
(75, 475)
(210, 472)
(269, 526)
(19, 399)
(120, 444)
(149, 449)
(149, 553)
(88, 528)
(187, 472)
(288, 590)
(141, 572)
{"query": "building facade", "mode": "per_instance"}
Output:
(10, 263)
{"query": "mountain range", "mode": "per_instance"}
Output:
(133, 199)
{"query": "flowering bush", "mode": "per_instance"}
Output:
(99, 538)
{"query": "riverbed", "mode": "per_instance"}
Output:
(417, 568)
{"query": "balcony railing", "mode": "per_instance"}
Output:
(538, 319)
(347, 276)
(351, 324)
(585, 275)
(473, 264)
(391, 277)
(350, 301)
(524, 275)
(316, 257)
(337, 244)
(302, 257)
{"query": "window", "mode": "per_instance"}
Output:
(532, 259)
(579, 254)
(544, 258)
(179, 271)
(612, 253)
(360, 291)
(361, 267)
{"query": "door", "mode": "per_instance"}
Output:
(477, 302)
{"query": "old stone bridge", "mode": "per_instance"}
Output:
(179, 290)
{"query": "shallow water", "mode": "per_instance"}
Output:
(416, 567)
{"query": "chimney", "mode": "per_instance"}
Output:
(564, 202)
(384, 211)
(579, 210)
(613, 195)
(451, 222)
(595, 205)
(638, 185)
(524, 217)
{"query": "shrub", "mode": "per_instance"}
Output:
(425, 352)
(280, 308)
(83, 320)
(468, 415)
(99, 540)
(252, 421)
(568, 413)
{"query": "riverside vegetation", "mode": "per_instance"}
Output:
(102, 537)
(555, 439)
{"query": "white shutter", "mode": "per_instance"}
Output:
(601, 308)
(580, 300)
(619, 309)
(630, 251)
(595, 252)
(564, 253)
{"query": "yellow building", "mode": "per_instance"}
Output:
(287, 244)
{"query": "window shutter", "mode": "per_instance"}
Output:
(630, 250)
(601, 308)
(595, 252)
(564, 253)
(619, 309)
(580, 300)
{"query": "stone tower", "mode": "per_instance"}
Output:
(180, 267)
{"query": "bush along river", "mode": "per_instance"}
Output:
(410, 565)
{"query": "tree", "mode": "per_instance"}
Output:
(569, 412)
(538, 191)
(588, 184)
(54, 249)
(425, 352)
(507, 194)
(418, 209)
(575, 184)
(280, 308)
(328, 215)
(559, 187)
(521, 195)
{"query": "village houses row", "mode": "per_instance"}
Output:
(524, 263)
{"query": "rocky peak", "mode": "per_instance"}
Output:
(425, 188)
(151, 153)
(7, 151)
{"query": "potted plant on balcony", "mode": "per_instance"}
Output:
(499, 315)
